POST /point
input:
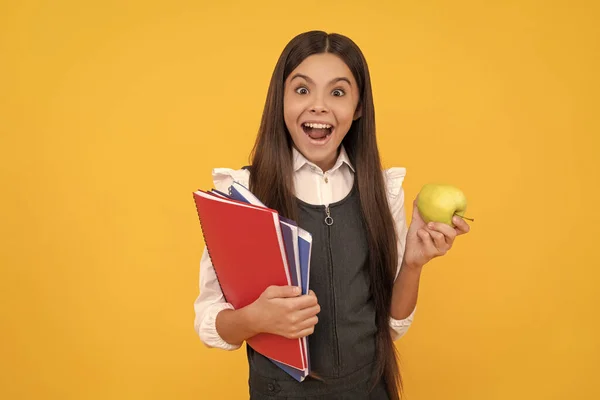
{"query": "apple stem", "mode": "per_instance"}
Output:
(463, 217)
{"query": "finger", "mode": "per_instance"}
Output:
(273, 292)
(302, 302)
(439, 240)
(428, 245)
(461, 225)
(307, 323)
(423, 235)
(308, 312)
(303, 333)
(448, 232)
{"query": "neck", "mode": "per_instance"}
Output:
(326, 165)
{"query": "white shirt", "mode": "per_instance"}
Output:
(312, 186)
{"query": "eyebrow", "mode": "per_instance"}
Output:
(335, 80)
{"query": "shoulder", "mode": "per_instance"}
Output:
(393, 179)
(224, 177)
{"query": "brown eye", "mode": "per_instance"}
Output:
(302, 90)
(338, 93)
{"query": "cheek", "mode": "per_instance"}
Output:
(291, 110)
(345, 114)
(291, 123)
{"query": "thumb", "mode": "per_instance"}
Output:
(416, 220)
(415, 208)
(274, 292)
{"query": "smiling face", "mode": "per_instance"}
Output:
(320, 102)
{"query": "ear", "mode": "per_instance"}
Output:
(358, 112)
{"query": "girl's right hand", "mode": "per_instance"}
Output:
(280, 310)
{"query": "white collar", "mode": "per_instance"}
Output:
(300, 160)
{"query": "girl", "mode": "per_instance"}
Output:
(316, 161)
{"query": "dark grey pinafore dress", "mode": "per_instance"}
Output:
(342, 347)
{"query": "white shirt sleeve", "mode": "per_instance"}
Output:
(208, 304)
(394, 177)
(211, 301)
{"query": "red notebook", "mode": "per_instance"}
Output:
(247, 251)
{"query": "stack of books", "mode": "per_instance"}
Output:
(251, 248)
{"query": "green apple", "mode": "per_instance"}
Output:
(439, 203)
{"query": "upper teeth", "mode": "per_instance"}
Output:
(317, 126)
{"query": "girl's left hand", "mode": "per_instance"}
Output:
(427, 241)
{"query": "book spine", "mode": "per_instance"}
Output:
(197, 203)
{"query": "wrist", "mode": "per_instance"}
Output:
(412, 267)
(249, 315)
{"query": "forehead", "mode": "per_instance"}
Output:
(324, 67)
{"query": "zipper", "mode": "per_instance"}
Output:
(336, 348)
(328, 219)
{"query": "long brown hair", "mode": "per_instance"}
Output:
(271, 178)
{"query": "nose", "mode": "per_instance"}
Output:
(319, 106)
(319, 109)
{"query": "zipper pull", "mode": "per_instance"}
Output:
(328, 219)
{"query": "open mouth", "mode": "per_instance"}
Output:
(316, 131)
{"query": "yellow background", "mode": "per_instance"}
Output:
(112, 113)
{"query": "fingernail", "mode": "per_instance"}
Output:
(455, 219)
(430, 225)
(297, 290)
